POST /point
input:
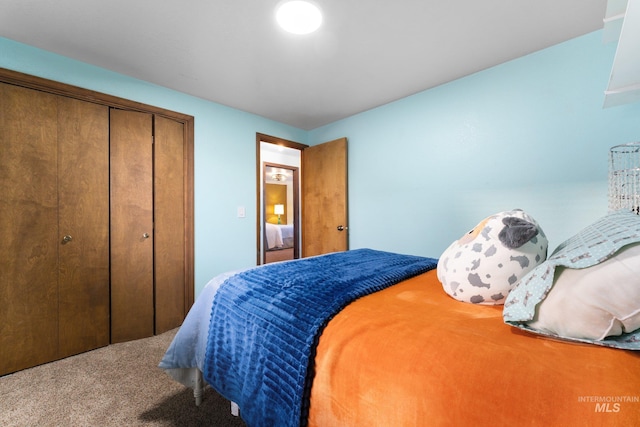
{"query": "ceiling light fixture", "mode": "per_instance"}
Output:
(299, 17)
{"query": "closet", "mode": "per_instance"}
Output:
(96, 220)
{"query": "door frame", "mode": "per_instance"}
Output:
(295, 171)
(54, 87)
(260, 137)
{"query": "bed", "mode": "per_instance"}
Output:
(400, 352)
(279, 236)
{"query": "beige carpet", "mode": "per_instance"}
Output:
(119, 385)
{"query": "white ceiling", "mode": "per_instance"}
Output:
(366, 53)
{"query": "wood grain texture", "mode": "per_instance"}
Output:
(132, 309)
(83, 188)
(324, 198)
(29, 228)
(169, 195)
(31, 167)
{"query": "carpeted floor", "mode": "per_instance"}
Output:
(119, 385)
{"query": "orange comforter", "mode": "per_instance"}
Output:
(412, 356)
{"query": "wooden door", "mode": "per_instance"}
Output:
(324, 198)
(83, 193)
(169, 211)
(45, 140)
(132, 311)
(28, 228)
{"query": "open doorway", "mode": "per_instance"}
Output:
(322, 224)
(278, 199)
(281, 195)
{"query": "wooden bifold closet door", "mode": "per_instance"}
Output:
(147, 259)
(96, 220)
(54, 186)
(169, 255)
(131, 225)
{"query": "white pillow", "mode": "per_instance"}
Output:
(594, 302)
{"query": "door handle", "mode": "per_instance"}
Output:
(342, 228)
(66, 239)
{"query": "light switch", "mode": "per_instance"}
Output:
(241, 212)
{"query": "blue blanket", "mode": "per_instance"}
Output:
(265, 325)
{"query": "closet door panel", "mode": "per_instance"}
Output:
(169, 206)
(132, 311)
(28, 228)
(83, 167)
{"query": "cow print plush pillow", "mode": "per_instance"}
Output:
(483, 265)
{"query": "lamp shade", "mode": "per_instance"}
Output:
(278, 209)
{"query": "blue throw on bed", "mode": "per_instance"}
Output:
(265, 325)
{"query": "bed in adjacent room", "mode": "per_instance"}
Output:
(279, 236)
(367, 337)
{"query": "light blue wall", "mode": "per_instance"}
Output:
(225, 162)
(529, 134)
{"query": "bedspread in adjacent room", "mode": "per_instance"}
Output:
(278, 235)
